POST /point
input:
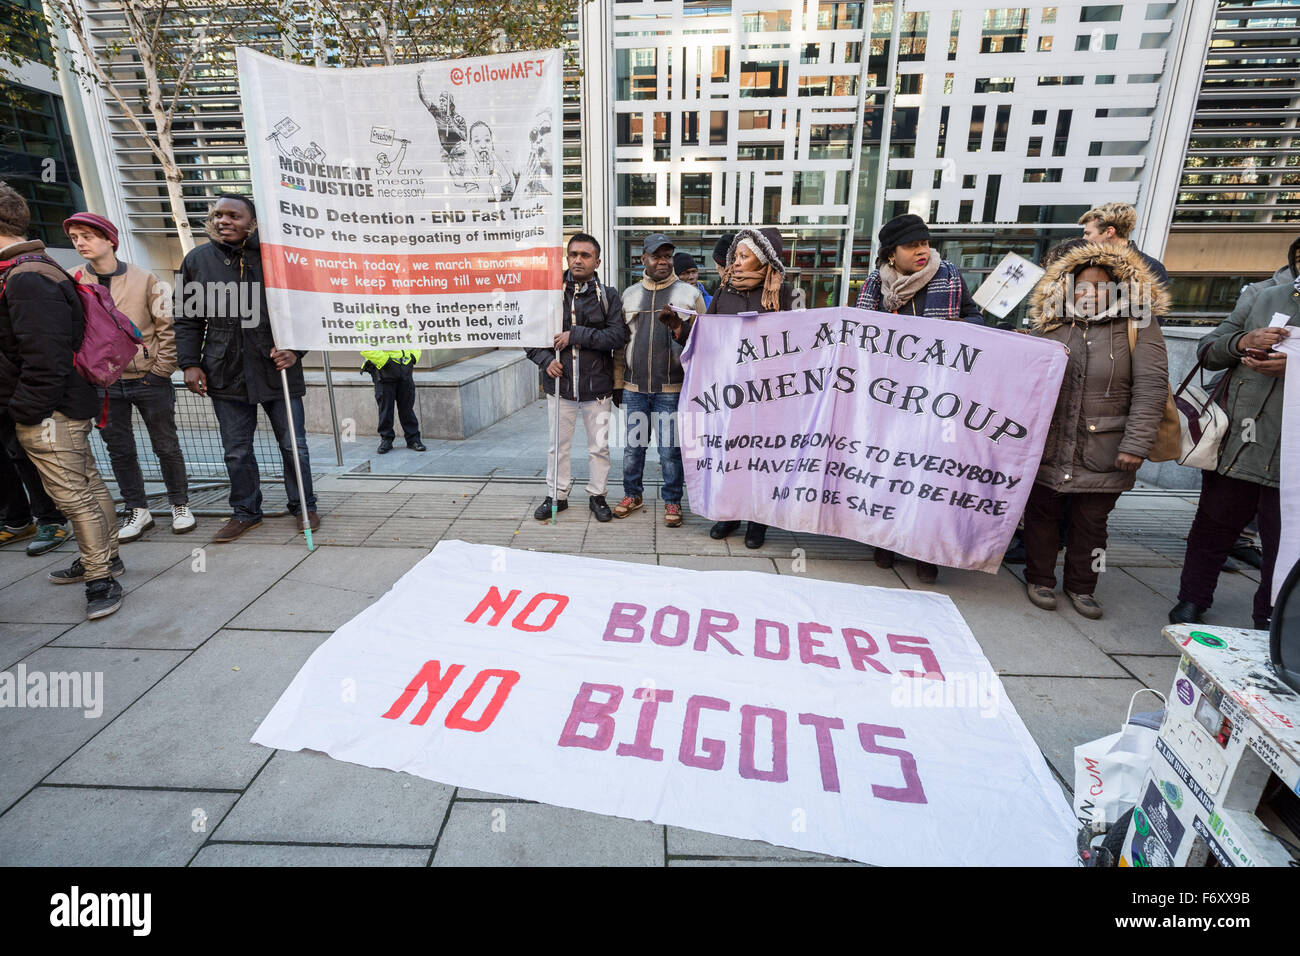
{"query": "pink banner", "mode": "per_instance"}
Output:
(918, 435)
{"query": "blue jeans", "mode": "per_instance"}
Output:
(238, 420)
(652, 414)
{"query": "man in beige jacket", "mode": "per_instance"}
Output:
(145, 385)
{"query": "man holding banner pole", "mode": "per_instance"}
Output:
(225, 345)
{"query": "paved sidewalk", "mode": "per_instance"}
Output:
(210, 636)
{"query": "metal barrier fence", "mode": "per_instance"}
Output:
(200, 440)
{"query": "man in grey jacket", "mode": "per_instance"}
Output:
(649, 371)
(1245, 484)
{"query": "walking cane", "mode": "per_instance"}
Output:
(297, 466)
(555, 471)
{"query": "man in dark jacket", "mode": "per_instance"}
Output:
(584, 374)
(224, 344)
(53, 408)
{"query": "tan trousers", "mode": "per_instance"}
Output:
(595, 419)
(59, 447)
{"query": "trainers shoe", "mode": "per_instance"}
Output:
(1085, 604)
(9, 533)
(136, 523)
(673, 514)
(182, 519)
(385, 446)
(48, 537)
(103, 597)
(1041, 596)
(312, 517)
(543, 512)
(417, 445)
(627, 506)
(233, 529)
(600, 508)
(76, 572)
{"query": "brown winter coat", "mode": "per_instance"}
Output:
(1110, 401)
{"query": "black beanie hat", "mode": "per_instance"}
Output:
(1293, 257)
(901, 230)
(723, 246)
(683, 261)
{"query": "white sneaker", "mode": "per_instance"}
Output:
(182, 519)
(138, 521)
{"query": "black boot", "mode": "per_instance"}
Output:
(1185, 612)
(721, 529)
(755, 534)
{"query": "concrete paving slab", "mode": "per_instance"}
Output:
(19, 640)
(1133, 615)
(369, 505)
(695, 843)
(432, 506)
(1063, 712)
(533, 834)
(404, 532)
(221, 580)
(1233, 599)
(1155, 672)
(16, 564)
(499, 534)
(351, 485)
(709, 562)
(629, 558)
(237, 854)
(33, 599)
(812, 863)
(192, 729)
(458, 487)
(1017, 637)
(308, 797)
(33, 741)
(847, 572)
(74, 826)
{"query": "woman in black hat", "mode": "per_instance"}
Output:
(911, 279)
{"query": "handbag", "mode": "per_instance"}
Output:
(1202, 420)
(1169, 436)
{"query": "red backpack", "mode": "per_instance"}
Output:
(110, 341)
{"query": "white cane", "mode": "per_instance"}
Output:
(555, 470)
(297, 466)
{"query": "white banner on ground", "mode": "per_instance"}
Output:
(414, 206)
(856, 721)
(1288, 549)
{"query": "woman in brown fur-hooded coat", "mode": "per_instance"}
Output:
(1108, 411)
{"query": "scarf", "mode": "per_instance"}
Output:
(767, 277)
(898, 289)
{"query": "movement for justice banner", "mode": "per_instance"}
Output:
(408, 206)
(856, 721)
(917, 435)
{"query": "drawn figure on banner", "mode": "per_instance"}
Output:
(488, 174)
(452, 128)
(536, 177)
(285, 129)
(387, 136)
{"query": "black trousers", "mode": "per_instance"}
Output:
(1227, 505)
(399, 394)
(22, 496)
(1042, 535)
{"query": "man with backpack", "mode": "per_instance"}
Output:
(146, 384)
(42, 325)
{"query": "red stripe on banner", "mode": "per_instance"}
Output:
(389, 273)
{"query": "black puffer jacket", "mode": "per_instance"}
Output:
(593, 317)
(41, 327)
(232, 344)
